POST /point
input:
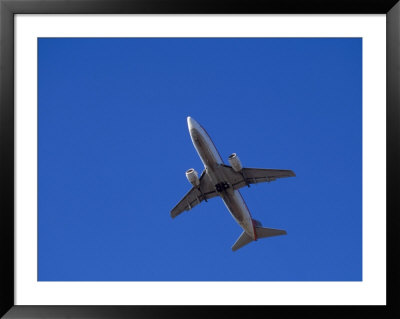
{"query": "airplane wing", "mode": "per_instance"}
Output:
(254, 175)
(196, 195)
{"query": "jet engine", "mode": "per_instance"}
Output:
(235, 162)
(192, 177)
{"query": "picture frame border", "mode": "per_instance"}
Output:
(8, 8)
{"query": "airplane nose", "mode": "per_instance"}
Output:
(190, 122)
(194, 128)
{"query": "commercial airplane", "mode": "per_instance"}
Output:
(218, 179)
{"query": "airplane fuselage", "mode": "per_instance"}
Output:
(212, 162)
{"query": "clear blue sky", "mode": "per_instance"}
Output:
(114, 147)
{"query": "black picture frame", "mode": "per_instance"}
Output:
(8, 8)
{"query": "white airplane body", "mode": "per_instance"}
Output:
(222, 180)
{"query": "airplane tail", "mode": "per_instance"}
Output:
(261, 232)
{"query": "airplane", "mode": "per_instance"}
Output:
(219, 179)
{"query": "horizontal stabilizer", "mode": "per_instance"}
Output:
(269, 232)
(262, 232)
(243, 240)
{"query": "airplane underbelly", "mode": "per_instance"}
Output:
(238, 209)
(207, 151)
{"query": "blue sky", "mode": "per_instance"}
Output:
(114, 148)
